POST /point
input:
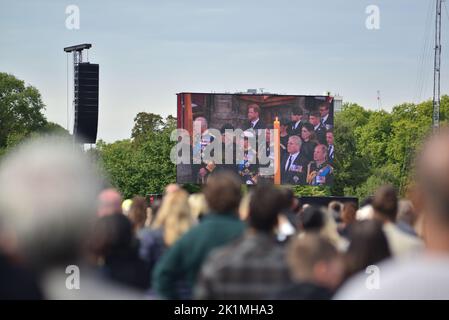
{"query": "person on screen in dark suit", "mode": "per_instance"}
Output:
(320, 130)
(293, 165)
(284, 135)
(330, 145)
(229, 149)
(297, 122)
(327, 118)
(254, 117)
(309, 141)
(319, 171)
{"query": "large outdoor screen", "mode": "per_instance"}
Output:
(287, 139)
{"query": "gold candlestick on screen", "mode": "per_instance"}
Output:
(277, 152)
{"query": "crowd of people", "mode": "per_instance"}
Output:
(56, 212)
(306, 146)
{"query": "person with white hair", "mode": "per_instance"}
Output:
(48, 199)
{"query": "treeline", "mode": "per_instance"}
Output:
(372, 147)
(21, 113)
(377, 147)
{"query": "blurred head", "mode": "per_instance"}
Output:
(198, 205)
(314, 259)
(223, 193)
(48, 193)
(265, 205)
(174, 216)
(330, 137)
(348, 214)
(385, 203)
(324, 110)
(315, 118)
(126, 205)
(320, 153)
(335, 208)
(253, 112)
(138, 212)
(202, 122)
(111, 235)
(431, 195)
(172, 187)
(290, 200)
(297, 114)
(368, 246)
(293, 144)
(109, 202)
(311, 219)
(406, 212)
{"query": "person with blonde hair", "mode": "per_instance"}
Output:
(172, 221)
(198, 205)
(183, 260)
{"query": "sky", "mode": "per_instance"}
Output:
(150, 50)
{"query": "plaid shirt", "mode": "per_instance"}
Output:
(252, 267)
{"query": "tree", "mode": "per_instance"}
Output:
(141, 165)
(145, 123)
(21, 110)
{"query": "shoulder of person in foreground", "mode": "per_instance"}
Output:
(417, 276)
(210, 271)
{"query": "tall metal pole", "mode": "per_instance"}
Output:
(379, 105)
(437, 68)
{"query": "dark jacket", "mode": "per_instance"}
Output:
(184, 259)
(259, 125)
(303, 291)
(292, 131)
(296, 175)
(307, 149)
(320, 133)
(251, 267)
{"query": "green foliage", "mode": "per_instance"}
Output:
(141, 165)
(372, 147)
(21, 110)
